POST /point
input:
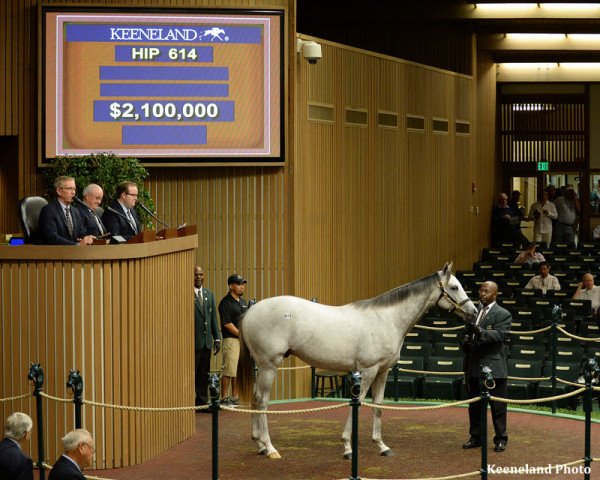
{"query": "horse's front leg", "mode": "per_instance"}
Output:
(378, 390)
(367, 378)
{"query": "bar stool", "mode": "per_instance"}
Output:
(320, 376)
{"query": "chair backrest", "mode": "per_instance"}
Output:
(417, 335)
(528, 352)
(422, 350)
(568, 371)
(567, 354)
(410, 363)
(518, 367)
(29, 214)
(447, 350)
(444, 364)
(447, 336)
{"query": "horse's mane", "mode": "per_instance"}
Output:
(396, 295)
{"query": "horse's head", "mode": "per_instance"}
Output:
(453, 297)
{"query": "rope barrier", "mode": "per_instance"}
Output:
(284, 412)
(301, 367)
(439, 329)
(576, 337)
(144, 409)
(19, 397)
(526, 332)
(537, 400)
(56, 399)
(449, 477)
(425, 407)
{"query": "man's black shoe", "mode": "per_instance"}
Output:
(472, 444)
(500, 447)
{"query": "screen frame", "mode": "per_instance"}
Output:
(175, 161)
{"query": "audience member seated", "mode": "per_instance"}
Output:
(505, 223)
(529, 256)
(59, 224)
(543, 213)
(588, 291)
(596, 234)
(544, 281)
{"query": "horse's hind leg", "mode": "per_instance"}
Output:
(378, 389)
(260, 427)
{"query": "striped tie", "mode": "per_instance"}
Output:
(69, 220)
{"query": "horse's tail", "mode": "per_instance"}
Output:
(245, 370)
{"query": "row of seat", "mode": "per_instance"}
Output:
(438, 385)
(582, 248)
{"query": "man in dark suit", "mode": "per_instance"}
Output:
(120, 218)
(92, 197)
(207, 334)
(484, 344)
(59, 223)
(14, 464)
(79, 452)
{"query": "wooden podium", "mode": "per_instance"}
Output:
(120, 314)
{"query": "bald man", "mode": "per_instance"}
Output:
(484, 344)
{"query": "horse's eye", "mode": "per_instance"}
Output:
(454, 288)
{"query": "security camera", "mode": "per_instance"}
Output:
(310, 50)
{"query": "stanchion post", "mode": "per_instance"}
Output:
(396, 387)
(75, 384)
(356, 392)
(214, 394)
(556, 317)
(486, 382)
(36, 375)
(313, 371)
(590, 370)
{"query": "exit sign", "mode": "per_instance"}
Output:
(543, 166)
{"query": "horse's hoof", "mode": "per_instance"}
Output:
(348, 456)
(273, 456)
(387, 453)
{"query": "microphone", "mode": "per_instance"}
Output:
(81, 202)
(119, 214)
(147, 210)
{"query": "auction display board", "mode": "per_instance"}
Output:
(163, 85)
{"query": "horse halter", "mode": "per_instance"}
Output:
(456, 306)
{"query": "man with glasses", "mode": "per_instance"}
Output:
(120, 218)
(79, 452)
(92, 196)
(59, 223)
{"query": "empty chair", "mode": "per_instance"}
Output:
(532, 313)
(29, 214)
(566, 354)
(447, 350)
(441, 385)
(568, 371)
(523, 389)
(447, 336)
(405, 384)
(520, 325)
(589, 330)
(528, 352)
(417, 335)
(582, 308)
(421, 350)
(526, 338)
(490, 254)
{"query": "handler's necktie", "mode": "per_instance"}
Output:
(482, 315)
(69, 220)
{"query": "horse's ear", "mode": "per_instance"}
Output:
(447, 268)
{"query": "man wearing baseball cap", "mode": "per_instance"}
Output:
(230, 309)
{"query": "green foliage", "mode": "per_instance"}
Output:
(105, 169)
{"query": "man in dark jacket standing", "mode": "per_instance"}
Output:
(14, 464)
(207, 335)
(484, 345)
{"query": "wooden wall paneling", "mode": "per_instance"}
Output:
(107, 415)
(4, 65)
